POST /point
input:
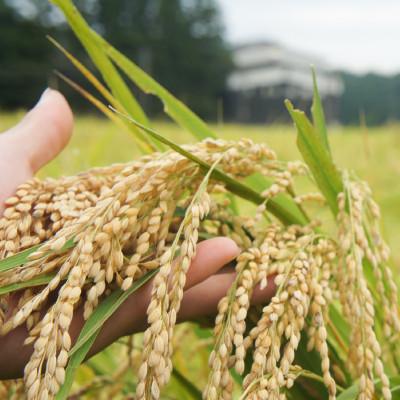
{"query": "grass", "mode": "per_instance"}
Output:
(374, 154)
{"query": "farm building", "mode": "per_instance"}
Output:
(266, 73)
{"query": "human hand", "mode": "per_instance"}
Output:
(36, 140)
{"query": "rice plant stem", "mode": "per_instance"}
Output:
(338, 338)
(317, 378)
(300, 206)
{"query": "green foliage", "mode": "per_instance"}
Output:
(351, 392)
(172, 35)
(22, 257)
(177, 110)
(318, 115)
(180, 44)
(192, 390)
(376, 96)
(24, 64)
(75, 361)
(38, 281)
(313, 146)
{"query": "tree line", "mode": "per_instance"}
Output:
(179, 42)
(375, 96)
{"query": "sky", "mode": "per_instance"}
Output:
(357, 35)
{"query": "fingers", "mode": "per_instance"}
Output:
(14, 354)
(43, 132)
(207, 283)
(202, 299)
(210, 257)
(131, 317)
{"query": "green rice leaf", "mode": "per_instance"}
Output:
(284, 215)
(177, 110)
(351, 392)
(190, 388)
(142, 144)
(37, 281)
(106, 309)
(259, 183)
(317, 157)
(87, 74)
(102, 62)
(75, 361)
(88, 96)
(17, 259)
(137, 134)
(22, 257)
(92, 328)
(339, 323)
(318, 115)
(98, 49)
(108, 71)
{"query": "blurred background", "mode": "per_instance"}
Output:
(230, 60)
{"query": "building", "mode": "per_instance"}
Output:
(266, 73)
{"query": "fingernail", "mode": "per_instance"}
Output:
(43, 96)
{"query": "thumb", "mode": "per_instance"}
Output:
(44, 131)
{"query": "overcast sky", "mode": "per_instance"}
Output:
(359, 35)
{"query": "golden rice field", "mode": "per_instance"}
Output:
(373, 154)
